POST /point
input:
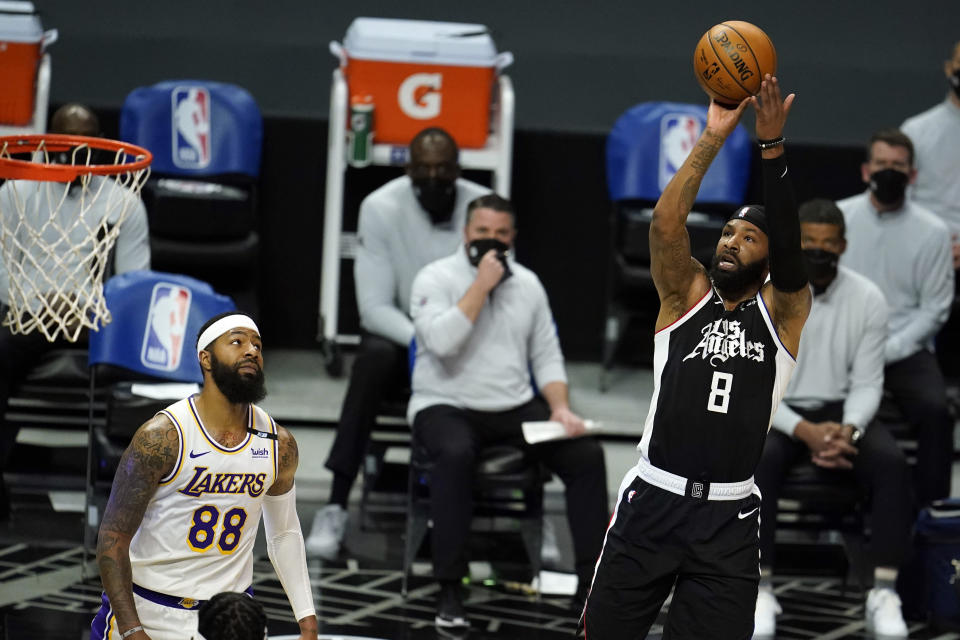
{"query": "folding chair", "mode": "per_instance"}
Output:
(206, 139)
(507, 484)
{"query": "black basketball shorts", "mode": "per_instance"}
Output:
(707, 550)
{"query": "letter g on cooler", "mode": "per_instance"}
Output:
(419, 95)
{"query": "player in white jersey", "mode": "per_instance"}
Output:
(187, 497)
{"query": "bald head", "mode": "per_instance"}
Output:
(436, 143)
(75, 120)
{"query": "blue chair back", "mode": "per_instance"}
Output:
(650, 141)
(156, 318)
(195, 128)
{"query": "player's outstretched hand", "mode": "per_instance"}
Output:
(723, 120)
(771, 112)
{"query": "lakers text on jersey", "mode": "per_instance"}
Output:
(197, 534)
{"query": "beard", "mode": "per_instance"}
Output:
(237, 387)
(735, 284)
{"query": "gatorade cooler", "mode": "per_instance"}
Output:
(422, 74)
(22, 43)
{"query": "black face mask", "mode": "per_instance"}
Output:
(479, 248)
(954, 81)
(437, 197)
(889, 185)
(821, 267)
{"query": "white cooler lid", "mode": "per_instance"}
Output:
(453, 43)
(19, 22)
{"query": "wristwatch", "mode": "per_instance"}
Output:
(855, 435)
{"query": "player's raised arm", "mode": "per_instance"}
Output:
(679, 278)
(787, 294)
(285, 538)
(152, 455)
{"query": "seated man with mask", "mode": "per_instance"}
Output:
(825, 414)
(405, 224)
(905, 250)
(483, 323)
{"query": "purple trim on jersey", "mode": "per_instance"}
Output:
(100, 626)
(174, 602)
(212, 440)
(772, 328)
(176, 467)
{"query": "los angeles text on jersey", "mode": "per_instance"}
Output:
(725, 339)
(226, 483)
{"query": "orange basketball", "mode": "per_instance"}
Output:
(731, 59)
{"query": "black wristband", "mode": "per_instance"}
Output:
(769, 144)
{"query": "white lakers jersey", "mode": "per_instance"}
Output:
(197, 534)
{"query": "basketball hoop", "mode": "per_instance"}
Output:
(61, 210)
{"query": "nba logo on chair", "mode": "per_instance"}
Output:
(678, 135)
(190, 127)
(166, 325)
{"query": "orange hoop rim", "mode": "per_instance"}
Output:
(13, 169)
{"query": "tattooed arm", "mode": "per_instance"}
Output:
(285, 539)
(289, 458)
(151, 455)
(679, 278)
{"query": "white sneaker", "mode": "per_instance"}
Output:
(549, 551)
(883, 614)
(765, 616)
(329, 525)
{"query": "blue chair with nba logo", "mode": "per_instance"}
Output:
(206, 139)
(646, 146)
(144, 359)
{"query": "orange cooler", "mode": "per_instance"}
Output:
(422, 74)
(22, 42)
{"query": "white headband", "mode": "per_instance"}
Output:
(221, 326)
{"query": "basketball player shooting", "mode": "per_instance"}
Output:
(725, 347)
(187, 497)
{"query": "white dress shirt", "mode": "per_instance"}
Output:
(907, 254)
(841, 353)
(483, 365)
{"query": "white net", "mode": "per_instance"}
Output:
(56, 240)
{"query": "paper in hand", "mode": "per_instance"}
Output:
(541, 431)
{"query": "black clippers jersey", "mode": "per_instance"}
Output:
(718, 378)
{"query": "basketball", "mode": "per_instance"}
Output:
(731, 59)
